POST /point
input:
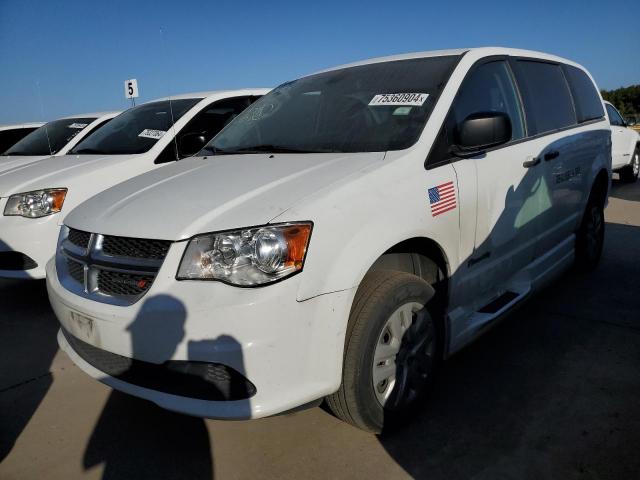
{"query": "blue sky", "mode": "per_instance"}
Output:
(66, 57)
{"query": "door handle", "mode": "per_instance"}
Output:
(551, 155)
(532, 162)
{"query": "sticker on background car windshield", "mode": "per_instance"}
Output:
(150, 133)
(77, 125)
(442, 198)
(399, 99)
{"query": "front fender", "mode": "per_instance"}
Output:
(358, 221)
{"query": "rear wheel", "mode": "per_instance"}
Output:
(391, 351)
(630, 173)
(590, 236)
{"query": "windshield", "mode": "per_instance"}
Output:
(369, 108)
(136, 130)
(50, 138)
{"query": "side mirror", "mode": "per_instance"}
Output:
(480, 131)
(191, 143)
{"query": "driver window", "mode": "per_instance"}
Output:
(489, 88)
(203, 127)
(614, 117)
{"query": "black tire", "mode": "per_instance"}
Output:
(629, 174)
(380, 294)
(590, 236)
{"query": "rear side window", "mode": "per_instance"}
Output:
(547, 99)
(585, 96)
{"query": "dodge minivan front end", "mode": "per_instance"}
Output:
(144, 317)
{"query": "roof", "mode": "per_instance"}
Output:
(479, 51)
(90, 115)
(21, 125)
(234, 92)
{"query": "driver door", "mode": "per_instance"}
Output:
(509, 194)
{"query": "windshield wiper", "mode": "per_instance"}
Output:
(20, 154)
(88, 151)
(265, 149)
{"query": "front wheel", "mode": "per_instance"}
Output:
(391, 351)
(629, 174)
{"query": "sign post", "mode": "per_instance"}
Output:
(131, 90)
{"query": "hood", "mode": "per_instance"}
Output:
(10, 161)
(200, 195)
(63, 171)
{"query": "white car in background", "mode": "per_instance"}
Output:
(53, 139)
(10, 134)
(625, 146)
(36, 197)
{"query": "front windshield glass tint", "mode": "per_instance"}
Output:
(51, 137)
(136, 130)
(369, 108)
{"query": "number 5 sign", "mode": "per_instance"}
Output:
(131, 88)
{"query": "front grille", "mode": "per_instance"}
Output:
(79, 238)
(115, 283)
(76, 270)
(109, 269)
(135, 247)
(201, 380)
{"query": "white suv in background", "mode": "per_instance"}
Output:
(36, 197)
(343, 235)
(53, 139)
(625, 146)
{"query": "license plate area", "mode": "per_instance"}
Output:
(83, 327)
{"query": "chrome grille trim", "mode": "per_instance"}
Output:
(118, 274)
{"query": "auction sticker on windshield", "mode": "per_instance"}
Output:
(78, 125)
(150, 133)
(399, 99)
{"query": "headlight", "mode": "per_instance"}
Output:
(247, 257)
(39, 203)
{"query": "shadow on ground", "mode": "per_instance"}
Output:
(625, 191)
(552, 392)
(137, 439)
(29, 344)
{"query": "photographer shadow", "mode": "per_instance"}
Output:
(135, 438)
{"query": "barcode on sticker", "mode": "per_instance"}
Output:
(150, 133)
(78, 125)
(399, 99)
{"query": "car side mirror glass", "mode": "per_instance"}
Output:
(191, 143)
(480, 131)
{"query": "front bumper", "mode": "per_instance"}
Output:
(291, 351)
(35, 238)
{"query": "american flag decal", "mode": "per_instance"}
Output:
(442, 198)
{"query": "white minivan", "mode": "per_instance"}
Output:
(341, 237)
(625, 146)
(53, 139)
(35, 197)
